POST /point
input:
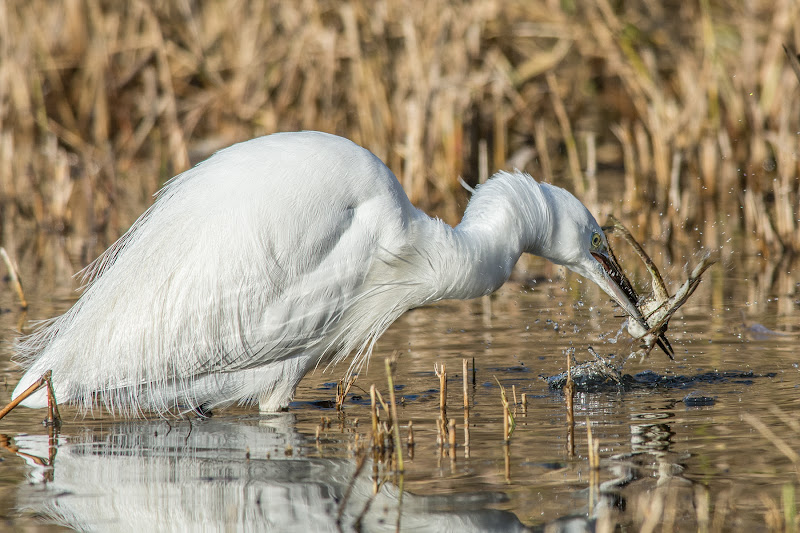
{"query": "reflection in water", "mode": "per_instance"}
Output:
(242, 475)
(676, 453)
(649, 435)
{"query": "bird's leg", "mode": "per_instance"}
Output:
(52, 408)
(53, 416)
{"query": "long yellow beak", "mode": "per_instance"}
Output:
(617, 285)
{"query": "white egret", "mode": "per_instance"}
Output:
(277, 255)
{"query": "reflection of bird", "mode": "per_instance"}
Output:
(228, 475)
(281, 253)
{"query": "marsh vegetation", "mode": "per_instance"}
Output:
(682, 119)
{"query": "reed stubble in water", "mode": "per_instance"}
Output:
(441, 373)
(569, 397)
(466, 408)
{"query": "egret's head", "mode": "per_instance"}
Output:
(577, 241)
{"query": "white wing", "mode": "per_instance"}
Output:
(251, 257)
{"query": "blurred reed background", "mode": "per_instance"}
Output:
(678, 116)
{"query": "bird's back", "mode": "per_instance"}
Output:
(251, 258)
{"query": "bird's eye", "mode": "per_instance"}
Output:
(597, 241)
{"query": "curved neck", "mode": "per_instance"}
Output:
(506, 217)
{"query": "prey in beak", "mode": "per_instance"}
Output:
(619, 287)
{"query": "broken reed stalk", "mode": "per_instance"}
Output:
(466, 396)
(506, 429)
(474, 372)
(342, 391)
(569, 396)
(395, 421)
(508, 416)
(524, 404)
(442, 388)
(14, 278)
(442, 375)
(339, 394)
(466, 409)
(382, 429)
(376, 443)
(382, 402)
(398, 450)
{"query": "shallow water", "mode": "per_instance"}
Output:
(713, 450)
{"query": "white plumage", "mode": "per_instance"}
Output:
(279, 254)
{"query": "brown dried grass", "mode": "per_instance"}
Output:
(695, 103)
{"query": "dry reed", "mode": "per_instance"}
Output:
(509, 424)
(342, 390)
(466, 407)
(100, 102)
(569, 397)
(442, 421)
(398, 449)
(13, 276)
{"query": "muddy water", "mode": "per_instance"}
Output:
(707, 440)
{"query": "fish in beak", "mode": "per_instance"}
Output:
(612, 279)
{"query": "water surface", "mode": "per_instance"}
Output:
(713, 450)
